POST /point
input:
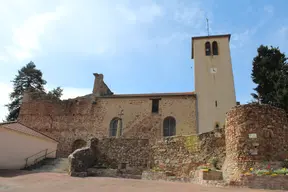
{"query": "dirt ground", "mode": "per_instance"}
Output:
(57, 182)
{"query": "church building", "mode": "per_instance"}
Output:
(153, 115)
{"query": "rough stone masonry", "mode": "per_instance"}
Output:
(92, 115)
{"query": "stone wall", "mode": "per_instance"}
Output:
(254, 134)
(90, 116)
(133, 153)
(279, 182)
(181, 155)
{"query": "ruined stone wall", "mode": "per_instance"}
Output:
(181, 155)
(133, 153)
(90, 116)
(100, 88)
(254, 134)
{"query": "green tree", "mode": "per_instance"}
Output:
(270, 74)
(56, 93)
(28, 78)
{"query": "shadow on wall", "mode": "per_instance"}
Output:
(77, 144)
(109, 153)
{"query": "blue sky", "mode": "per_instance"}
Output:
(140, 46)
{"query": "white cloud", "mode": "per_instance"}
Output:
(240, 39)
(26, 37)
(176, 36)
(93, 27)
(70, 92)
(103, 29)
(145, 14)
(4, 99)
(269, 9)
(3, 58)
(193, 16)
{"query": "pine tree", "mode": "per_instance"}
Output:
(270, 73)
(28, 78)
(56, 93)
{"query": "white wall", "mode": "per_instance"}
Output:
(15, 147)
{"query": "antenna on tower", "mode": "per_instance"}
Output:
(207, 26)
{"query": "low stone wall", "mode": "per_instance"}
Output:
(181, 155)
(126, 156)
(211, 178)
(121, 153)
(279, 182)
(209, 175)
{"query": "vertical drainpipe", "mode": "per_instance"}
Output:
(197, 116)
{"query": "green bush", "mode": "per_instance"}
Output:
(263, 172)
(285, 163)
(283, 171)
(214, 162)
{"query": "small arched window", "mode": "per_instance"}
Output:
(217, 126)
(215, 48)
(113, 127)
(169, 127)
(207, 48)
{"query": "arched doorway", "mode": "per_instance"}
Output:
(77, 144)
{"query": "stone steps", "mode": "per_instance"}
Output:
(59, 165)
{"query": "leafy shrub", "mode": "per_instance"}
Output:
(214, 162)
(204, 167)
(285, 163)
(263, 172)
(283, 171)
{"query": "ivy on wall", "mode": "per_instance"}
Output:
(191, 143)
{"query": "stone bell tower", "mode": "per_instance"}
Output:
(214, 82)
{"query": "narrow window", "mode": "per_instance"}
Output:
(217, 126)
(215, 48)
(216, 103)
(169, 127)
(208, 48)
(155, 105)
(114, 126)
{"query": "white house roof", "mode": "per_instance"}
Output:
(16, 126)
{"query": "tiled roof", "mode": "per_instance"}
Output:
(16, 126)
(151, 95)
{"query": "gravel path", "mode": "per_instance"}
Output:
(19, 181)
